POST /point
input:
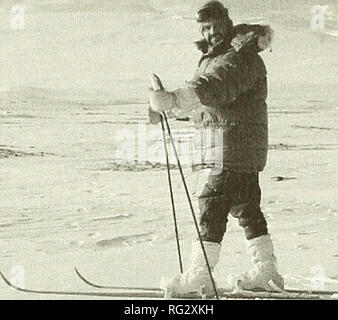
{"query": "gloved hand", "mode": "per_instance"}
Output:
(161, 100)
(154, 117)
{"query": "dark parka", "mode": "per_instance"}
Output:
(226, 99)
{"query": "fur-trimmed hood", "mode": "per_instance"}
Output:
(256, 36)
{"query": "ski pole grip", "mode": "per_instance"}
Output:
(155, 117)
(156, 82)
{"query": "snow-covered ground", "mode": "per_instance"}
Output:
(75, 80)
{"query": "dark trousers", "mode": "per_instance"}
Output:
(235, 193)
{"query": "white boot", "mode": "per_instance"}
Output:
(264, 275)
(197, 277)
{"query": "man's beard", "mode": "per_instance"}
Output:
(215, 39)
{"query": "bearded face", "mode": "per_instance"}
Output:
(215, 30)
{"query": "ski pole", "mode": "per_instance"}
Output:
(172, 197)
(158, 86)
(191, 206)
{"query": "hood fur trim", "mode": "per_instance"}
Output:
(245, 35)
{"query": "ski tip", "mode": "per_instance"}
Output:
(77, 272)
(4, 278)
(10, 284)
(80, 275)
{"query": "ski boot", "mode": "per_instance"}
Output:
(264, 274)
(197, 278)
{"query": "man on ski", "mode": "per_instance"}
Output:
(227, 92)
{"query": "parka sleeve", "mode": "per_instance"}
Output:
(226, 81)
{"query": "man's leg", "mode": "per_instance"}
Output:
(214, 209)
(246, 207)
